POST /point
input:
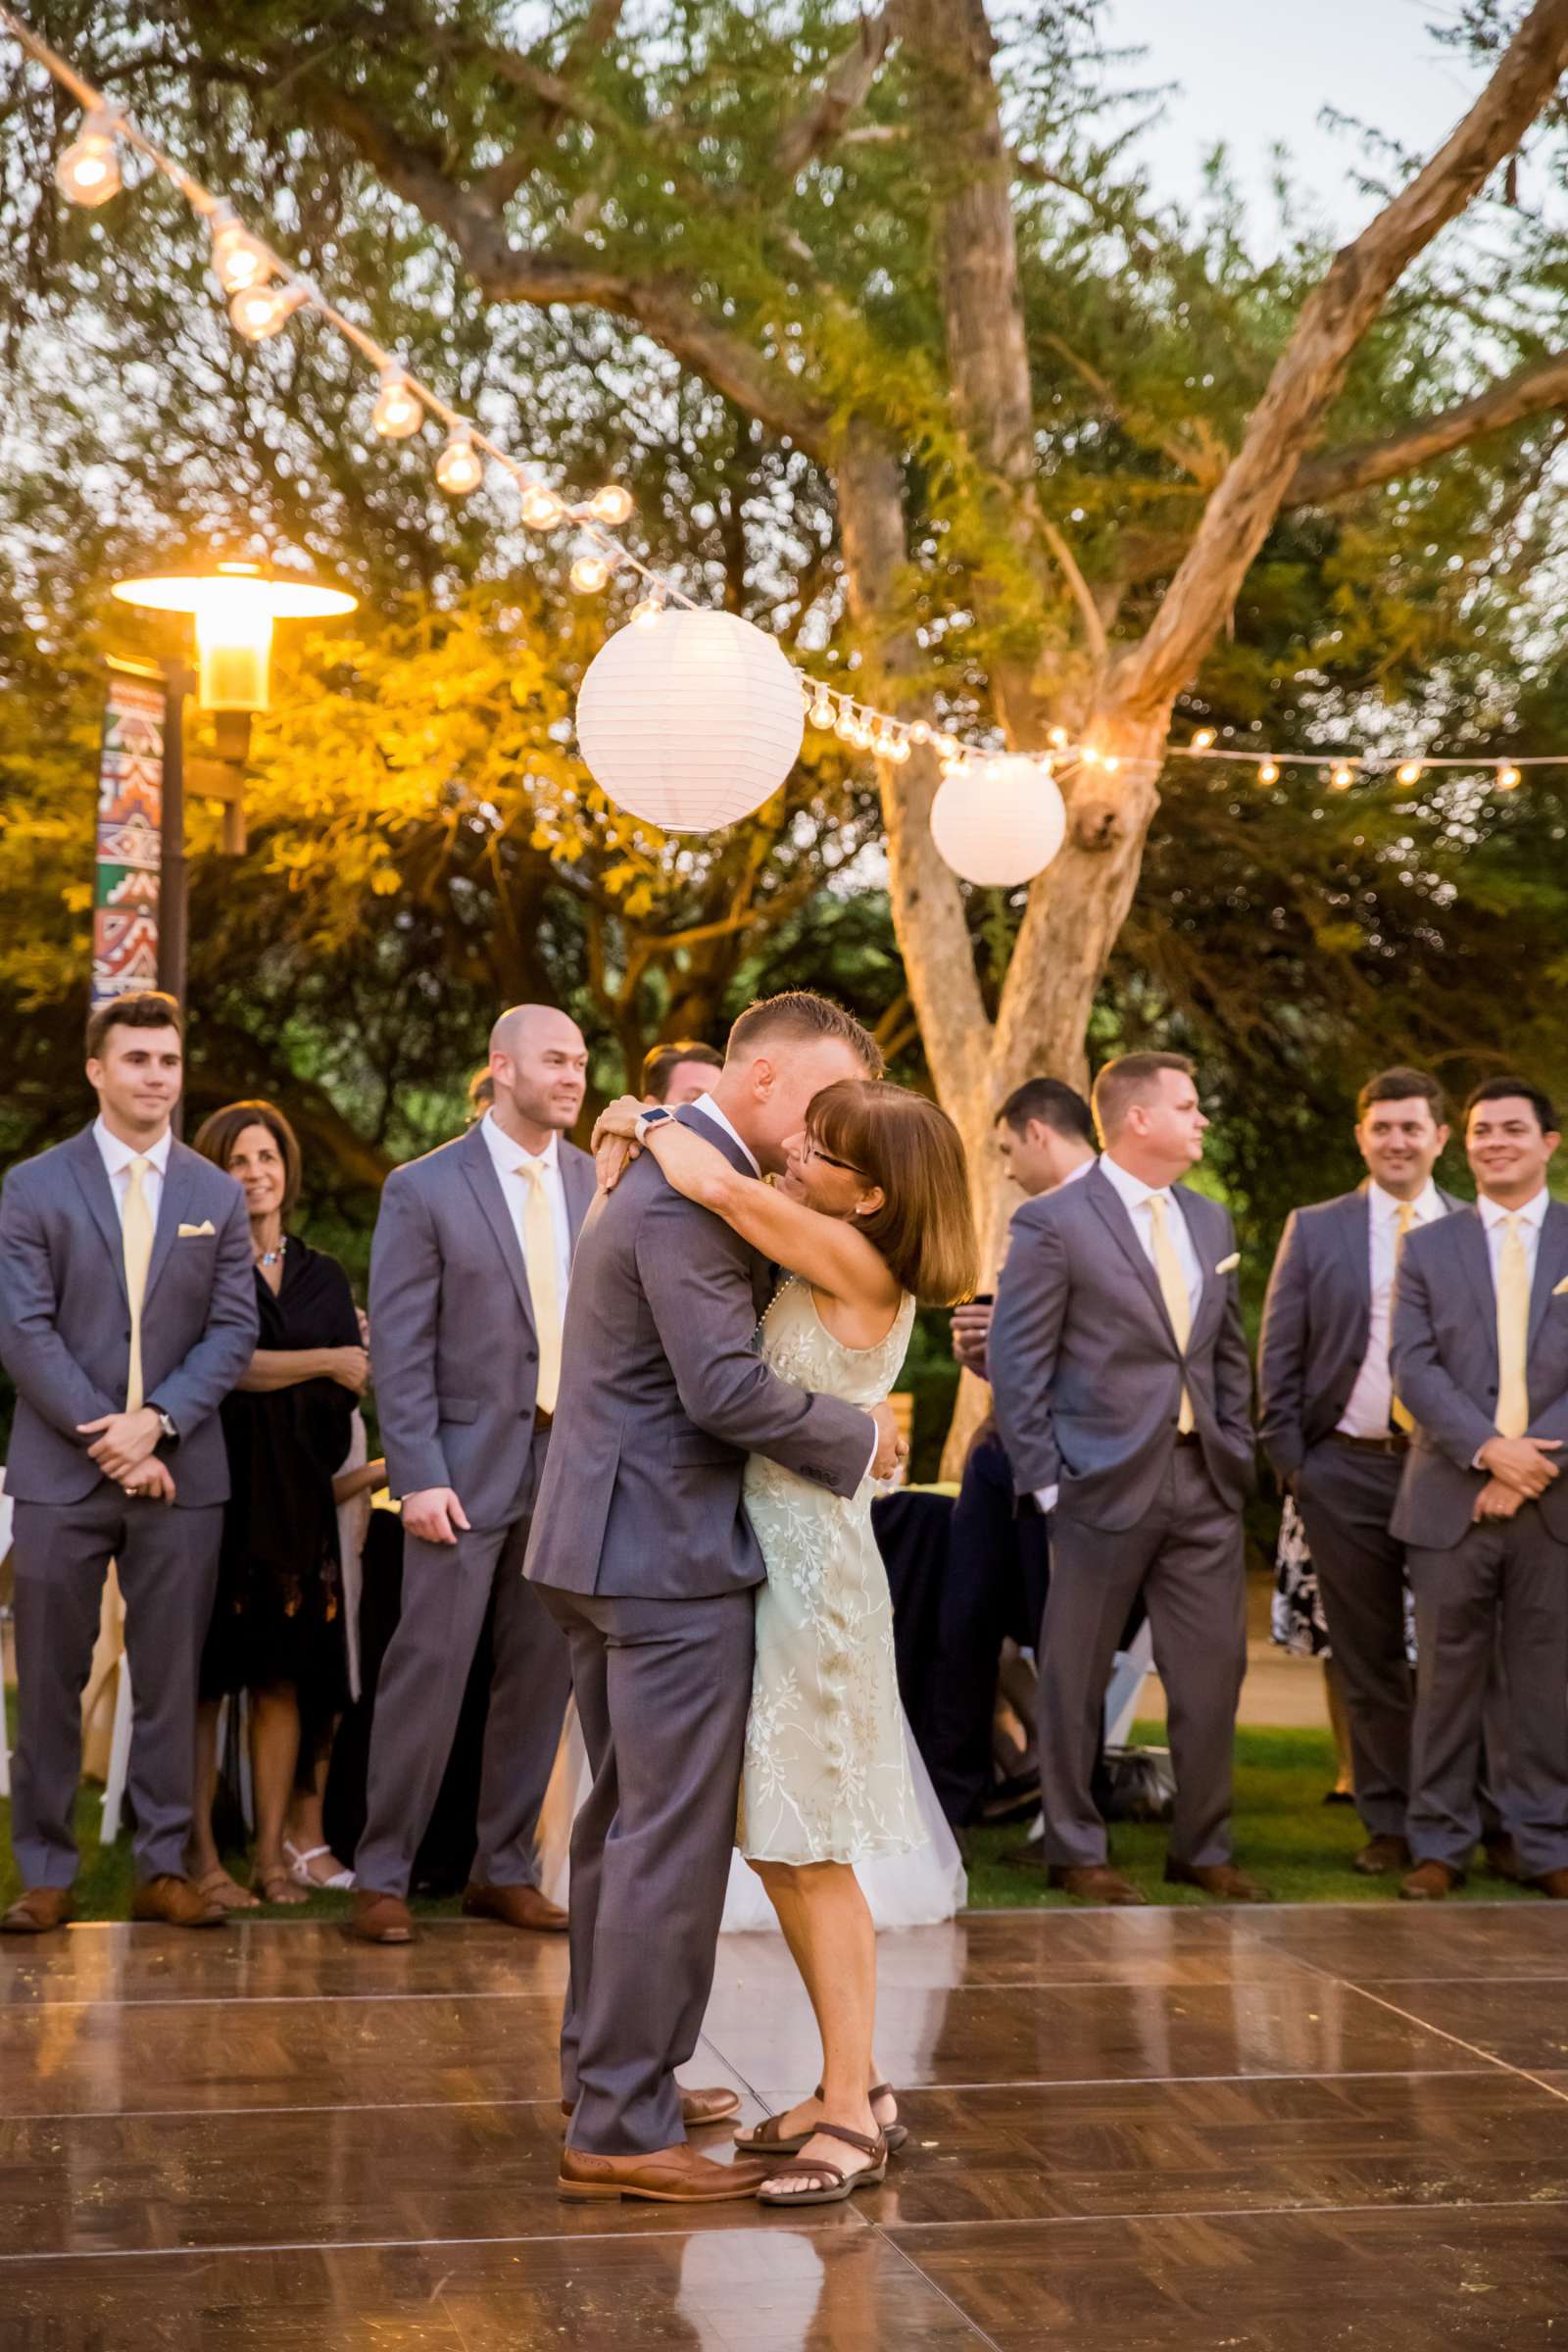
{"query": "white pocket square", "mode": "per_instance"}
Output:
(1561, 1287)
(1228, 1265)
(195, 1232)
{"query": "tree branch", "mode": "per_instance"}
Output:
(1364, 466)
(1336, 316)
(842, 94)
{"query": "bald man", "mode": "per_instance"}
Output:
(468, 1275)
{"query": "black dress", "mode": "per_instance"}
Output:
(278, 1617)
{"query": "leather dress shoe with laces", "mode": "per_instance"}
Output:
(37, 1911)
(676, 2176)
(1094, 1882)
(1553, 1883)
(698, 2108)
(380, 1918)
(177, 1903)
(1224, 1881)
(1381, 1856)
(516, 1907)
(1431, 1882)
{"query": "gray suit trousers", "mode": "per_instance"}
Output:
(1513, 1573)
(167, 1560)
(1186, 1558)
(662, 1690)
(447, 1590)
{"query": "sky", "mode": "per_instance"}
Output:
(1255, 72)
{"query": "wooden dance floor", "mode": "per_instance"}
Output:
(1158, 2131)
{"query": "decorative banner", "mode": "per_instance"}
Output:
(130, 806)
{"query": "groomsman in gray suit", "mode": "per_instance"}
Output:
(1480, 1360)
(127, 1313)
(1337, 1435)
(1122, 1389)
(468, 1276)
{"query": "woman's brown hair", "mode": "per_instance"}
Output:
(216, 1136)
(909, 1147)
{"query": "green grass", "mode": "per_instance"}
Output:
(1284, 1835)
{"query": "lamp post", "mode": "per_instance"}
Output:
(235, 607)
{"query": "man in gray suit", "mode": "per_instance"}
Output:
(1481, 1361)
(643, 1552)
(1122, 1389)
(1337, 1436)
(468, 1277)
(127, 1313)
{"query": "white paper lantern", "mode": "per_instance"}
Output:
(691, 720)
(999, 822)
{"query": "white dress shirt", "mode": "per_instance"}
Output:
(1533, 1215)
(1367, 1415)
(1136, 1195)
(117, 1158)
(710, 1110)
(509, 1157)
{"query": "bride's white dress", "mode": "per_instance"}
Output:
(831, 1771)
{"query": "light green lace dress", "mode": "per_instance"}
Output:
(827, 1773)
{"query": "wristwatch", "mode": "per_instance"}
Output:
(651, 1119)
(166, 1424)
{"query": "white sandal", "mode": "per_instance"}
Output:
(299, 1870)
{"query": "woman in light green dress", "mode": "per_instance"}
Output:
(871, 1216)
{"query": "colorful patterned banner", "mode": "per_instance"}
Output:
(131, 802)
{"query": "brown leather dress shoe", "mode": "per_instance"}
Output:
(1552, 1883)
(1092, 1882)
(1222, 1879)
(37, 1911)
(1380, 1857)
(1431, 1882)
(516, 1907)
(698, 2108)
(676, 2176)
(380, 1918)
(177, 1903)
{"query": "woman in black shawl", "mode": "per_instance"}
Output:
(277, 1623)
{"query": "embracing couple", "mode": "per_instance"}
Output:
(704, 1538)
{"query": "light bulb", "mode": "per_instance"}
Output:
(899, 749)
(845, 725)
(460, 468)
(1112, 765)
(88, 172)
(260, 311)
(1202, 739)
(648, 611)
(589, 574)
(951, 767)
(398, 410)
(1342, 775)
(1507, 776)
(1269, 771)
(1058, 739)
(1410, 772)
(948, 746)
(1091, 756)
(237, 259)
(920, 732)
(611, 503)
(821, 711)
(540, 509)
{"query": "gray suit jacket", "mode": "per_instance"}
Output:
(1316, 1319)
(1444, 1356)
(452, 1343)
(663, 1397)
(65, 1318)
(1084, 1364)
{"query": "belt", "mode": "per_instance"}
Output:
(542, 1419)
(1397, 1442)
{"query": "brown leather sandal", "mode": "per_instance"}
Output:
(835, 2184)
(770, 2140)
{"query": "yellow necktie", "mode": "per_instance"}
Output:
(544, 1280)
(1173, 1289)
(1513, 1334)
(1404, 1217)
(136, 1246)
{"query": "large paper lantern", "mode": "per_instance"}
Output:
(690, 720)
(999, 821)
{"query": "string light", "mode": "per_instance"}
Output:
(542, 510)
(611, 504)
(238, 260)
(1507, 776)
(1409, 771)
(261, 311)
(88, 172)
(1269, 771)
(1342, 775)
(1202, 740)
(589, 574)
(459, 468)
(397, 412)
(648, 611)
(821, 712)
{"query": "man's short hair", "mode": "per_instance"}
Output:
(1054, 1103)
(802, 1017)
(144, 1008)
(1499, 1090)
(1403, 1085)
(661, 1062)
(1134, 1078)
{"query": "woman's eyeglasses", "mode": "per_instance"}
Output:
(812, 1150)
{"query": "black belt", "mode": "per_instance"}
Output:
(1397, 1442)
